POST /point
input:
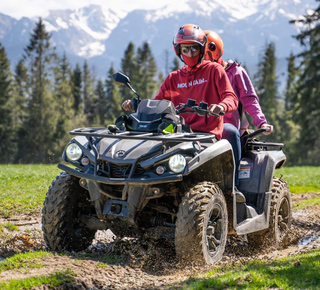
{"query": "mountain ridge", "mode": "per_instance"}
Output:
(101, 34)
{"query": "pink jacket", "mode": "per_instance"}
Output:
(244, 90)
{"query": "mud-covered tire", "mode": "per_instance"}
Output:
(65, 202)
(280, 216)
(202, 224)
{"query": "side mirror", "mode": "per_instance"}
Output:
(121, 79)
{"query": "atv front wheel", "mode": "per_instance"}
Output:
(64, 204)
(202, 224)
(280, 215)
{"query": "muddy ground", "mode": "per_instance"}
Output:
(145, 265)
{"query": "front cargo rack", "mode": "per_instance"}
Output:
(175, 137)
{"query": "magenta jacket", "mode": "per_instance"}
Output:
(244, 90)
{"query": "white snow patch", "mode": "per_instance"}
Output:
(62, 23)
(80, 21)
(49, 27)
(92, 49)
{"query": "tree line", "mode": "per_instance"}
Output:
(44, 97)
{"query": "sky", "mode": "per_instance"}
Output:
(37, 8)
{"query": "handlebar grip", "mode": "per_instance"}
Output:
(217, 115)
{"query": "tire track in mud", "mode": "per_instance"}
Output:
(146, 264)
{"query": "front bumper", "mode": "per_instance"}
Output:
(120, 181)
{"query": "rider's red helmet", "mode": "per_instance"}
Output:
(189, 33)
(214, 46)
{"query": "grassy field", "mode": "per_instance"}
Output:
(23, 187)
(301, 179)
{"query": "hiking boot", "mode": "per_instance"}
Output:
(240, 198)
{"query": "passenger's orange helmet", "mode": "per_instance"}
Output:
(214, 46)
(189, 33)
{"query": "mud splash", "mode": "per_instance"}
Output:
(145, 264)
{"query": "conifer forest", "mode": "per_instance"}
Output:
(44, 97)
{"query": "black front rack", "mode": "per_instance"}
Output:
(176, 137)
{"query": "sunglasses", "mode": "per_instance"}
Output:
(186, 49)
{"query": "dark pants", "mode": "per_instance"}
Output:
(232, 134)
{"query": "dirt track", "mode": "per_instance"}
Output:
(145, 265)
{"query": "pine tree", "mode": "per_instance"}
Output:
(101, 103)
(76, 90)
(7, 147)
(113, 99)
(176, 64)
(64, 109)
(147, 71)
(161, 79)
(36, 136)
(21, 94)
(307, 99)
(88, 95)
(266, 85)
(290, 130)
(129, 68)
(291, 84)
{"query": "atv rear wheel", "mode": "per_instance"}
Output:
(280, 215)
(65, 202)
(202, 224)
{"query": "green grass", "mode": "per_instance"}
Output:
(307, 203)
(24, 261)
(52, 280)
(301, 179)
(10, 226)
(294, 272)
(23, 187)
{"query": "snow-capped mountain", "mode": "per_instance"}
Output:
(85, 30)
(101, 34)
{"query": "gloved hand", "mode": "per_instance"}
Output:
(216, 109)
(126, 105)
(267, 126)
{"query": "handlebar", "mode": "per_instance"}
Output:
(257, 132)
(192, 107)
(250, 136)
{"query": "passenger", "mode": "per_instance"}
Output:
(236, 123)
(202, 81)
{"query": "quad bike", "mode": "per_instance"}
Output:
(149, 175)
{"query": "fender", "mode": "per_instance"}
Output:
(216, 163)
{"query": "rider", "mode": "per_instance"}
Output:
(200, 80)
(236, 122)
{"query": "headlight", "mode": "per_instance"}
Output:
(73, 152)
(177, 163)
